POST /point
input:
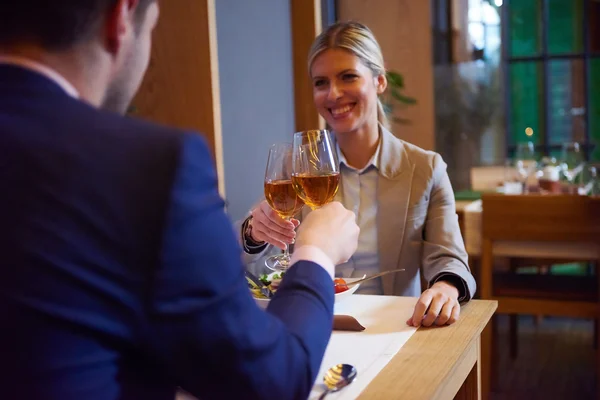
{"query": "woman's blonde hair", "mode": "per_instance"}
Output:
(360, 41)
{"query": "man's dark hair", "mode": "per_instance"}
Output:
(54, 24)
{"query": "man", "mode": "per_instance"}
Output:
(120, 275)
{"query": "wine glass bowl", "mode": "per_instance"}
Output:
(316, 173)
(282, 198)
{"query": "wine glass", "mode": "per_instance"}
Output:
(525, 163)
(572, 161)
(587, 182)
(316, 171)
(281, 195)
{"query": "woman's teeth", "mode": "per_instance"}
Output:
(341, 110)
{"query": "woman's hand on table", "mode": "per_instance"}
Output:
(268, 226)
(438, 304)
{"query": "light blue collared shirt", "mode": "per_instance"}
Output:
(358, 193)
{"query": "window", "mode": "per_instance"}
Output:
(484, 29)
(551, 56)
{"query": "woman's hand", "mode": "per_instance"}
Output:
(437, 304)
(268, 226)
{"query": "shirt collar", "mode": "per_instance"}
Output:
(373, 162)
(42, 70)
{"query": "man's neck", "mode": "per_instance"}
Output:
(69, 70)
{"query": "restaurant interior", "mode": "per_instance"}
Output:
(506, 91)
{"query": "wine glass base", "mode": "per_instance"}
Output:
(278, 263)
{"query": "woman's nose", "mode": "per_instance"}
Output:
(334, 92)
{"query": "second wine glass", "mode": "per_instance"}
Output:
(572, 162)
(316, 171)
(281, 195)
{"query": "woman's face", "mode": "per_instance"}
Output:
(345, 90)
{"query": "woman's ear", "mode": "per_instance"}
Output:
(381, 83)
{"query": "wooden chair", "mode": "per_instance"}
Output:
(556, 220)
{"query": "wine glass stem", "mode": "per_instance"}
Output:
(286, 251)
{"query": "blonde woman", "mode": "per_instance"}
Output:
(401, 194)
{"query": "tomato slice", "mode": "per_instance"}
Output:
(340, 285)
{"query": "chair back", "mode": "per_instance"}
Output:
(541, 218)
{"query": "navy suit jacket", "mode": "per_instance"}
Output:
(120, 273)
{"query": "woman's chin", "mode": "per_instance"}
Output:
(341, 126)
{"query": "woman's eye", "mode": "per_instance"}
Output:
(319, 82)
(349, 77)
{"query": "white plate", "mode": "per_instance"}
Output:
(339, 297)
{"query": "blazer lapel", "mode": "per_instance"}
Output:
(393, 195)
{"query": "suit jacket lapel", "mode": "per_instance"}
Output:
(393, 195)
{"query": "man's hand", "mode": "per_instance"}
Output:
(268, 226)
(332, 229)
(437, 304)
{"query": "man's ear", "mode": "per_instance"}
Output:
(119, 25)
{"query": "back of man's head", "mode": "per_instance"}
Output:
(102, 47)
(54, 24)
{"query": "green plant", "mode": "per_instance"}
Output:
(393, 96)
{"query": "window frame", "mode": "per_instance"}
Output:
(545, 58)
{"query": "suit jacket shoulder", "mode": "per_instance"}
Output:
(427, 162)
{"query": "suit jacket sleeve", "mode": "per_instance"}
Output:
(204, 324)
(444, 253)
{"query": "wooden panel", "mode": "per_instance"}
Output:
(403, 29)
(419, 372)
(471, 388)
(181, 87)
(306, 25)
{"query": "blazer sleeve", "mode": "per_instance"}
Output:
(205, 327)
(444, 253)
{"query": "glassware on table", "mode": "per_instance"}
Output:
(281, 195)
(572, 162)
(548, 175)
(316, 170)
(525, 163)
(587, 181)
(513, 183)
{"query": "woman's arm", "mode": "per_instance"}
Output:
(444, 254)
(445, 263)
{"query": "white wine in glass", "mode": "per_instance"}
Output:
(280, 195)
(316, 171)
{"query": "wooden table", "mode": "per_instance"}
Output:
(438, 363)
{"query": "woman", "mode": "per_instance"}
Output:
(401, 194)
